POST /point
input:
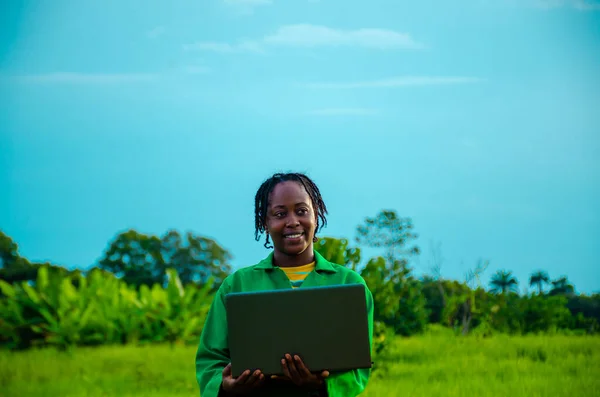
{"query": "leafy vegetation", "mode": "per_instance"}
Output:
(151, 289)
(64, 311)
(504, 282)
(141, 259)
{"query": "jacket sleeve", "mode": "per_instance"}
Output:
(353, 383)
(213, 352)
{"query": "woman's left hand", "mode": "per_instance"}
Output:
(295, 371)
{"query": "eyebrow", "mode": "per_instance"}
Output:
(283, 206)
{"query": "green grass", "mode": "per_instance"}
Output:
(422, 366)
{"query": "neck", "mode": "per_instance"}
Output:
(283, 260)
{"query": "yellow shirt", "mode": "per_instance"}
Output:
(297, 274)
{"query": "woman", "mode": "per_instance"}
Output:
(290, 210)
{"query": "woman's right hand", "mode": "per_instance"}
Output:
(243, 383)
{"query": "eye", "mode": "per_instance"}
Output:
(302, 211)
(279, 214)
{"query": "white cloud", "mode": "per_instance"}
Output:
(83, 78)
(343, 112)
(305, 35)
(396, 82)
(157, 31)
(311, 36)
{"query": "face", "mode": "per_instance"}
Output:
(291, 219)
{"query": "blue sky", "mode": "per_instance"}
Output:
(477, 119)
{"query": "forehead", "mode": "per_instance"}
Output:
(288, 193)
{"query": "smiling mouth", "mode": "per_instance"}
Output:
(293, 236)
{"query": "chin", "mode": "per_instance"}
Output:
(292, 251)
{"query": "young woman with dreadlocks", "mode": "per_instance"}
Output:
(289, 209)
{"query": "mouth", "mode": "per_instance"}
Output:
(293, 236)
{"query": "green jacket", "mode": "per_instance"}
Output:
(213, 353)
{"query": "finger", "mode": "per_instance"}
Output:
(303, 371)
(322, 376)
(254, 378)
(260, 380)
(240, 380)
(226, 377)
(295, 375)
(227, 371)
(286, 370)
(279, 377)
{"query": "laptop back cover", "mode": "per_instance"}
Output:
(326, 326)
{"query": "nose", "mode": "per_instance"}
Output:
(292, 221)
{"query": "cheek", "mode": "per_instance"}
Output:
(310, 224)
(269, 225)
(274, 225)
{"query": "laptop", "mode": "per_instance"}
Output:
(326, 326)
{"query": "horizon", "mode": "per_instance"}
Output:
(478, 121)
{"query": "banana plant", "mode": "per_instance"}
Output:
(99, 308)
(16, 318)
(177, 313)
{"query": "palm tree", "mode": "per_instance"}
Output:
(539, 278)
(503, 281)
(561, 286)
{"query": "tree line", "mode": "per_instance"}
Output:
(404, 303)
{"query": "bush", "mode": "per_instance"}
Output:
(65, 311)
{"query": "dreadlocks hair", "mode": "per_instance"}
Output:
(261, 202)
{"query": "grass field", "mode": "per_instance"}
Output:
(422, 366)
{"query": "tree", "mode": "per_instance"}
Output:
(13, 267)
(588, 306)
(337, 251)
(538, 279)
(542, 314)
(143, 259)
(196, 259)
(135, 257)
(437, 304)
(399, 300)
(561, 286)
(433, 286)
(463, 309)
(473, 280)
(388, 231)
(9, 251)
(503, 282)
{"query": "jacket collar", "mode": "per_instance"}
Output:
(321, 264)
